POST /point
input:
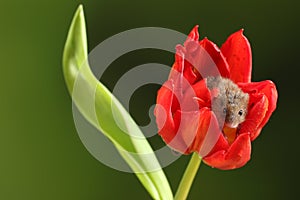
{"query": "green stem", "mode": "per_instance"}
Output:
(188, 177)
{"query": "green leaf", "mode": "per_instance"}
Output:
(109, 115)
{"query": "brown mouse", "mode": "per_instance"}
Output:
(229, 102)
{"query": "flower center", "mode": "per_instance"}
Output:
(229, 133)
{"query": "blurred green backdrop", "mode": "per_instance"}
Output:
(41, 154)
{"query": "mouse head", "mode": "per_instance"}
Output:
(236, 108)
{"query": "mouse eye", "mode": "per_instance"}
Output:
(241, 112)
(224, 110)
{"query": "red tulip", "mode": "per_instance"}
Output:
(184, 114)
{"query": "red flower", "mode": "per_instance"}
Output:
(184, 113)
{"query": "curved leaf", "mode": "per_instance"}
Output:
(109, 114)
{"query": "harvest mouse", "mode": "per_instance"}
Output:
(229, 102)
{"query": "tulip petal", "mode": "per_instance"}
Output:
(216, 64)
(198, 60)
(193, 35)
(258, 106)
(208, 132)
(222, 144)
(187, 123)
(236, 156)
(182, 66)
(266, 88)
(197, 93)
(163, 112)
(237, 52)
(199, 130)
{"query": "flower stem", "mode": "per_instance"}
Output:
(188, 177)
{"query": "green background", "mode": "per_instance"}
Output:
(41, 154)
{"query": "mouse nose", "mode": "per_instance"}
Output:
(230, 118)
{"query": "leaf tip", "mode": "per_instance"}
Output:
(79, 10)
